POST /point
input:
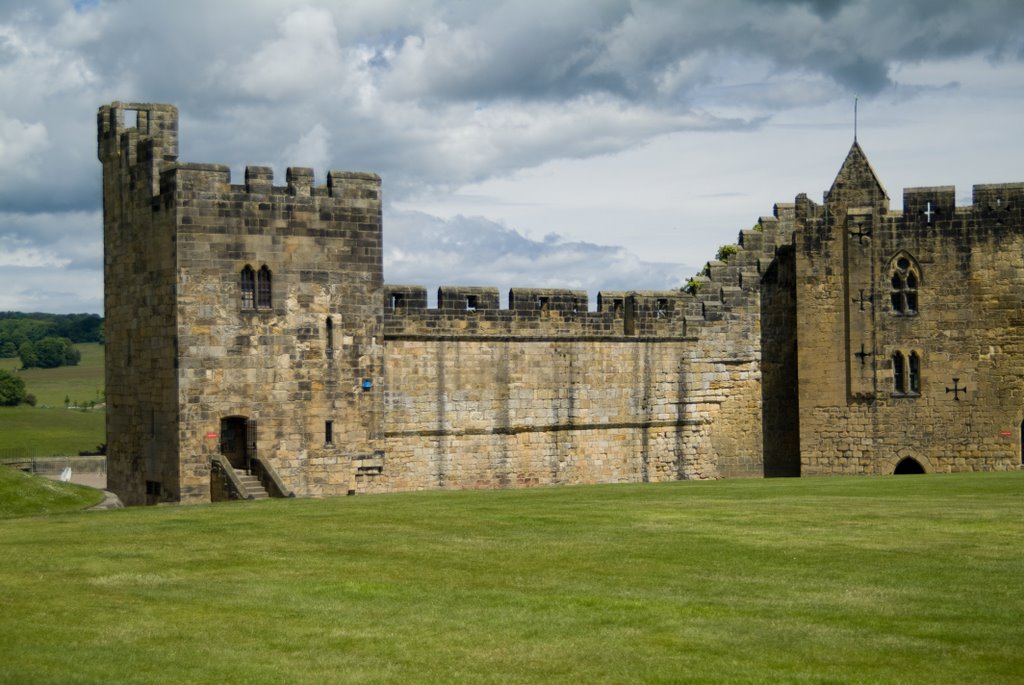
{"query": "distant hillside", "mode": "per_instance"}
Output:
(17, 328)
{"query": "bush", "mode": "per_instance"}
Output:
(12, 389)
(726, 251)
(30, 400)
(49, 353)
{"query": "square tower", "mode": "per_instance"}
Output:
(243, 322)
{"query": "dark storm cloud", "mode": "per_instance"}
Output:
(443, 93)
(439, 94)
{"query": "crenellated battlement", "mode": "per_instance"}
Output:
(353, 188)
(155, 126)
(140, 141)
(726, 292)
(531, 312)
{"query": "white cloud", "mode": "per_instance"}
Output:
(311, 150)
(15, 252)
(20, 146)
(420, 249)
(304, 58)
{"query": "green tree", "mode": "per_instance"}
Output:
(53, 352)
(27, 354)
(8, 349)
(12, 389)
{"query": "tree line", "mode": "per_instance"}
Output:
(47, 340)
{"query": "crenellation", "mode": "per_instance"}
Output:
(259, 180)
(928, 205)
(995, 197)
(751, 241)
(299, 180)
(475, 311)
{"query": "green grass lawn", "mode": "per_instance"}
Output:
(48, 428)
(81, 384)
(25, 495)
(911, 579)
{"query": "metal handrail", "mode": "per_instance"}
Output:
(220, 461)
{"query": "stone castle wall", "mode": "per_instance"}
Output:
(653, 386)
(965, 325)
(251, 321)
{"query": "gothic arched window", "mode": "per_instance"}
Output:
(263, 288)
(248, 288)
(899, 378)
(905, 280)
(906, 374)
(915, 373)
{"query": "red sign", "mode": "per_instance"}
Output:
(211, 435)
(1006, 434)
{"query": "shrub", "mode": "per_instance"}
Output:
(30, 399)
(12, 389)
(726, 251)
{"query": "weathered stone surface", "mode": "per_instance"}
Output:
(252, 320)
(966, 325)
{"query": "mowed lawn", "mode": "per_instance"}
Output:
(48, 428)
(908, 579)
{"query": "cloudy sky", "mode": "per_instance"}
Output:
(558, 143)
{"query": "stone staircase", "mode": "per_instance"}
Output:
(251, 486)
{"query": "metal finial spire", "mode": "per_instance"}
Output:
(855, 118)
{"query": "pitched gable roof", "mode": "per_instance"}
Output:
(856, 184)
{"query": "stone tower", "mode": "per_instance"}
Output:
(243, 320)
(909, 328)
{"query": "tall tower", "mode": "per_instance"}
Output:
(243, 322)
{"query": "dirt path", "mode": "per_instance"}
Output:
(93, 480)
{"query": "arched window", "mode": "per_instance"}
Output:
(904, 286)
(906, 374)
(899, 378)
(330, 338)
(263, 288)
(248, 287)
(915, 373)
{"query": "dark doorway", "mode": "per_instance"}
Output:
(234, 443)
(908, 465)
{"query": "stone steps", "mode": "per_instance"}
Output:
(251, 486)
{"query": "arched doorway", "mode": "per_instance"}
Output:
(1022, 443)
(235, 441)
(908, 465)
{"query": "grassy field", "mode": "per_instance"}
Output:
(911, 579)
(81, 384)
(48, 428)
(25, 495)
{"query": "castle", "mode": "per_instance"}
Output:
(253, 347)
